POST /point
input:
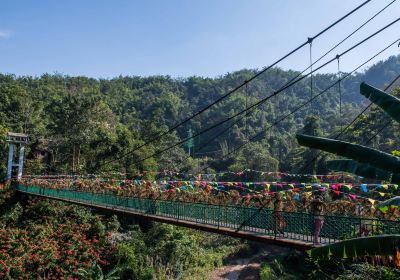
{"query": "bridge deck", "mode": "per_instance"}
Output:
(237, 221)
(260, 237)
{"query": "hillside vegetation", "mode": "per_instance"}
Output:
(76, 123)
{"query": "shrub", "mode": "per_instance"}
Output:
(266, 272)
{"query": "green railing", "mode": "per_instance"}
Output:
(297, 226)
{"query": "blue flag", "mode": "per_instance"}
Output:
(364, 187)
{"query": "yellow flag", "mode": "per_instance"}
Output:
(382, 194)
(385, 187)
(371, 200)
(308, 194)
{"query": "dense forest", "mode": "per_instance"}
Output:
(78, 123)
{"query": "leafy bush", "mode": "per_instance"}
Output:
(40, 251)
(49, 239)
(266, 272)
(365, 271)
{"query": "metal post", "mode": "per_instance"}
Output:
(21, 161)
(10, 160)
(219, 214)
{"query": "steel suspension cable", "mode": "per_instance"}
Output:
(275, 93)
(356, 30)
(309, 67)
(351, 123)
(370, 104)
(314, 97)
(160, 135)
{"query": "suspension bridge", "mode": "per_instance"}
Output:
(256, 223)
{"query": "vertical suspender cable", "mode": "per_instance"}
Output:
(263, 100)
(340, 94)
(162, 134)
(311, 77)
(245, 119)
(314, 62)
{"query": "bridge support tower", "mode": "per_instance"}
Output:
(16, 140)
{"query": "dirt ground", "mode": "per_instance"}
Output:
(244, 268)
(237, 269)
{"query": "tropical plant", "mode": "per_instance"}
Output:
(366, 161)
(96, 273)
(384, 245)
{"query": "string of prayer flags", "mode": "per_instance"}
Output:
(338, 189)
(212, 175)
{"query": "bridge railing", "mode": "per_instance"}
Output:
(291, 225)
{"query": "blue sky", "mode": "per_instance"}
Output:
(107, 38)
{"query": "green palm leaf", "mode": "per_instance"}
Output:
(389, 103)
(394, 201)
(359, 153)
(383, 245)
(360, 169)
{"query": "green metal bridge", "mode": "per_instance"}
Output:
(238, 221)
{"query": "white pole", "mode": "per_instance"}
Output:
(21, 161)
(10, 160)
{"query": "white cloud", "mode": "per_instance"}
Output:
(4, 34)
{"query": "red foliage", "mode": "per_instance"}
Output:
(46, 251)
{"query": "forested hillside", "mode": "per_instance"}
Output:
(77, 123)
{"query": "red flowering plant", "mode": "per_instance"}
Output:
(53, 241)
(50, 252)
(5, 185)
(5, 191)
